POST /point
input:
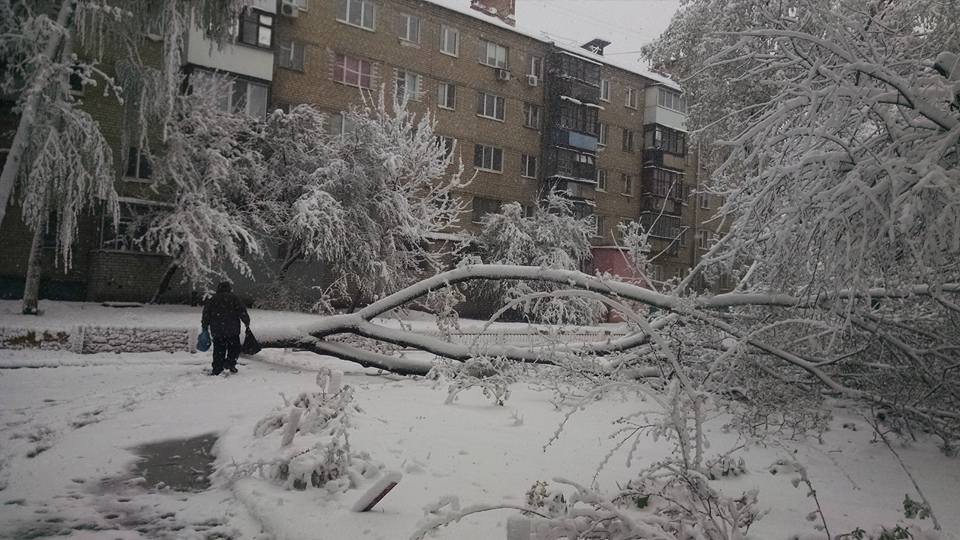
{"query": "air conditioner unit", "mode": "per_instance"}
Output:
(533, 80)
(503, 75)
(288, 9)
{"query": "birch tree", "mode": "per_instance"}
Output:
(366, 201)
(66, 175)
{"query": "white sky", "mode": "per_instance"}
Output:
(627, 24)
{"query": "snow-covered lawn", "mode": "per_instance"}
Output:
(67, 436)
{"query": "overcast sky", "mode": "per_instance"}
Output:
(627, 24)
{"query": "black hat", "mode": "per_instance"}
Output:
(224, 286)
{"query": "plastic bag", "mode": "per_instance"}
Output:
(203, 340)
(250, 343)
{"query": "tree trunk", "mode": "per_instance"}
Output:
(28, 113)
(164, 285)
(31, 289)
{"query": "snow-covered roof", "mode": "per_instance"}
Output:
(463, 7)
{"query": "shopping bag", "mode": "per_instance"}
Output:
(203, 341)
(250, 343)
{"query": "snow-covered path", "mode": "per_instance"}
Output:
(80, 424)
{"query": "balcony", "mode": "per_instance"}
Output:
(566, 137)
(575, 88)
(661, 158)
(573, 188)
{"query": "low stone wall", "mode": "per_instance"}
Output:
(97, 339)
(30, 338)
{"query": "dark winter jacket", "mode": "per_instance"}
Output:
(223, 313)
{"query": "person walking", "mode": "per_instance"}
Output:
(222, 316)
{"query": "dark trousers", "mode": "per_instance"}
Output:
(226, 349)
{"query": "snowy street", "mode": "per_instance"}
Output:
(68, 435)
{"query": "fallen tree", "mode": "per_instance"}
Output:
(872, 357)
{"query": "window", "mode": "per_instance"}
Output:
(671, 100)
(131, 226)
(704, 201)
(600, 225)
(572, 164)
(627, 140)
(577, 118)
(488, 158)
(633, 98)
(352, 71)
(449, 40)
(492, 54)
(658, 137)
(408, 86)
(138, 165)
(574, 67)
(410, 28)
(256, 28)
(528, 167)
(342, 125)
(602, 130)
(661, 226)
(290, 55)
(447, 95)
(360, 13)
(601, 179)
(663, 183)
(483, 206)
(528, 210)
(490, 106)
(703, 240)
(627, 180)
(233, 95)
(536, 66)
(448, 144)
(531, 115)
(604, 90)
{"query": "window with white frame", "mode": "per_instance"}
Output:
(410, 28)
(290, 55)
(360, 13)
(602, 133)
(448, 144)
(627, 140)
(341, 124)
(528, 166)
(449, 40)
(671, 100)
(531, 115)
(491, 106)
(352, 71)
(604, 90)
(408, 85)
(493, 54)
(536, 66)
(703, 239)
(138, 165)
(627, 180)
(488, 158)
(599, 225)
(447, 95)
(601, 179)
(704, 201)
(633, 98)
(256, 28)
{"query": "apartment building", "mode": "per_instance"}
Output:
(528, 114)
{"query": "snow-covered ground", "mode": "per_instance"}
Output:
(67, 436)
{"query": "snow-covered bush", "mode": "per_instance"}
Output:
(493, 376)
(553, 237)
(312, 433)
